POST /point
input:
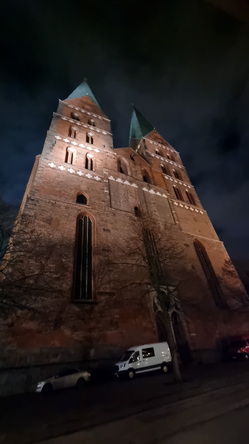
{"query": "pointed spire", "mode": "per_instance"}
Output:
(139, 125)
(83, 90)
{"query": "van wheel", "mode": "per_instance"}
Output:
(131, 374)
(164, 368)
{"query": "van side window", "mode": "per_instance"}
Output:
(148, 352)
(135, 357)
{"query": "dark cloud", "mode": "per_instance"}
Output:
(184, 64)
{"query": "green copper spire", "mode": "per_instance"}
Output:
(139, 126)
(83, 90)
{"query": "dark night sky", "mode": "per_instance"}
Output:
(183, 63)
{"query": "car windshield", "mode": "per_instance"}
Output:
(127, 355)
(66, 372)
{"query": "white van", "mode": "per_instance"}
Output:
(144, 358)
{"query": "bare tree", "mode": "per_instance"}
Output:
(28, 272)
(146, 264)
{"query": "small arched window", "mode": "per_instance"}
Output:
(81, 199)
(177, 174)
(158, 152)
(191, 198)
(122, 166)
(75, 116)
(178, 193)
(146, 177)
(89, 138)
(137, 212)
(72, 132)
(91, 122)
(69, 157)
(89, 162)
(164, 169)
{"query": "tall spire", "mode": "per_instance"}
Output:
(83, 90)
(139, 125)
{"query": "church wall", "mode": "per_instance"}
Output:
(120, 205)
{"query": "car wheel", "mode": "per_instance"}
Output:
(80, 383)
(164, 368)
(131, 374)
(47, 389)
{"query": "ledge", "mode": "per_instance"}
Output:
(84, 301)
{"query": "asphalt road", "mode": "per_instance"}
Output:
(227, 428)
(151, 406)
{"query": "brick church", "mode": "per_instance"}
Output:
(93, 223)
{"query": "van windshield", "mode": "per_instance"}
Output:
(126, 356)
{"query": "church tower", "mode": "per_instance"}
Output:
(93, 225)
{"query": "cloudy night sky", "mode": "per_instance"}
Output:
(183, 63)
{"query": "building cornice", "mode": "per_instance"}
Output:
(163, 159)
(85, 125)
(82, 145)
(160, 145)
(84, 111)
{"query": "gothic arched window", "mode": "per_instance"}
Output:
(91, 122)
(75, 116)
(83, 259)
(81, 199)
(177, 174)
(72, 132)
(122, 166)
(178, 193)
(137, 212)
(158, 152)
(191, 198)
(89, 162)
(209, 273)
(69, 157)
(146, 177)
(164, 169)
(89, 138)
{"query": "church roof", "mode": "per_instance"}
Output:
(83, 90)
(139, 125)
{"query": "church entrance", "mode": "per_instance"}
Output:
(180, 336)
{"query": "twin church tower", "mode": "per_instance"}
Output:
(97, 224)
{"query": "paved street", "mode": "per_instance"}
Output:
(149, 409)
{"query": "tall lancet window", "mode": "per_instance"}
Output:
(89, 162)
(72, 132)
(89, 138)
(83, 259)
(122, 166)
(69, 157)
(211, 277)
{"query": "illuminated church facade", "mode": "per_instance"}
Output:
(95, 219)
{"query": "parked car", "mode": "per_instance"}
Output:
(144, 358)
(238, 350)
(70, 377)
